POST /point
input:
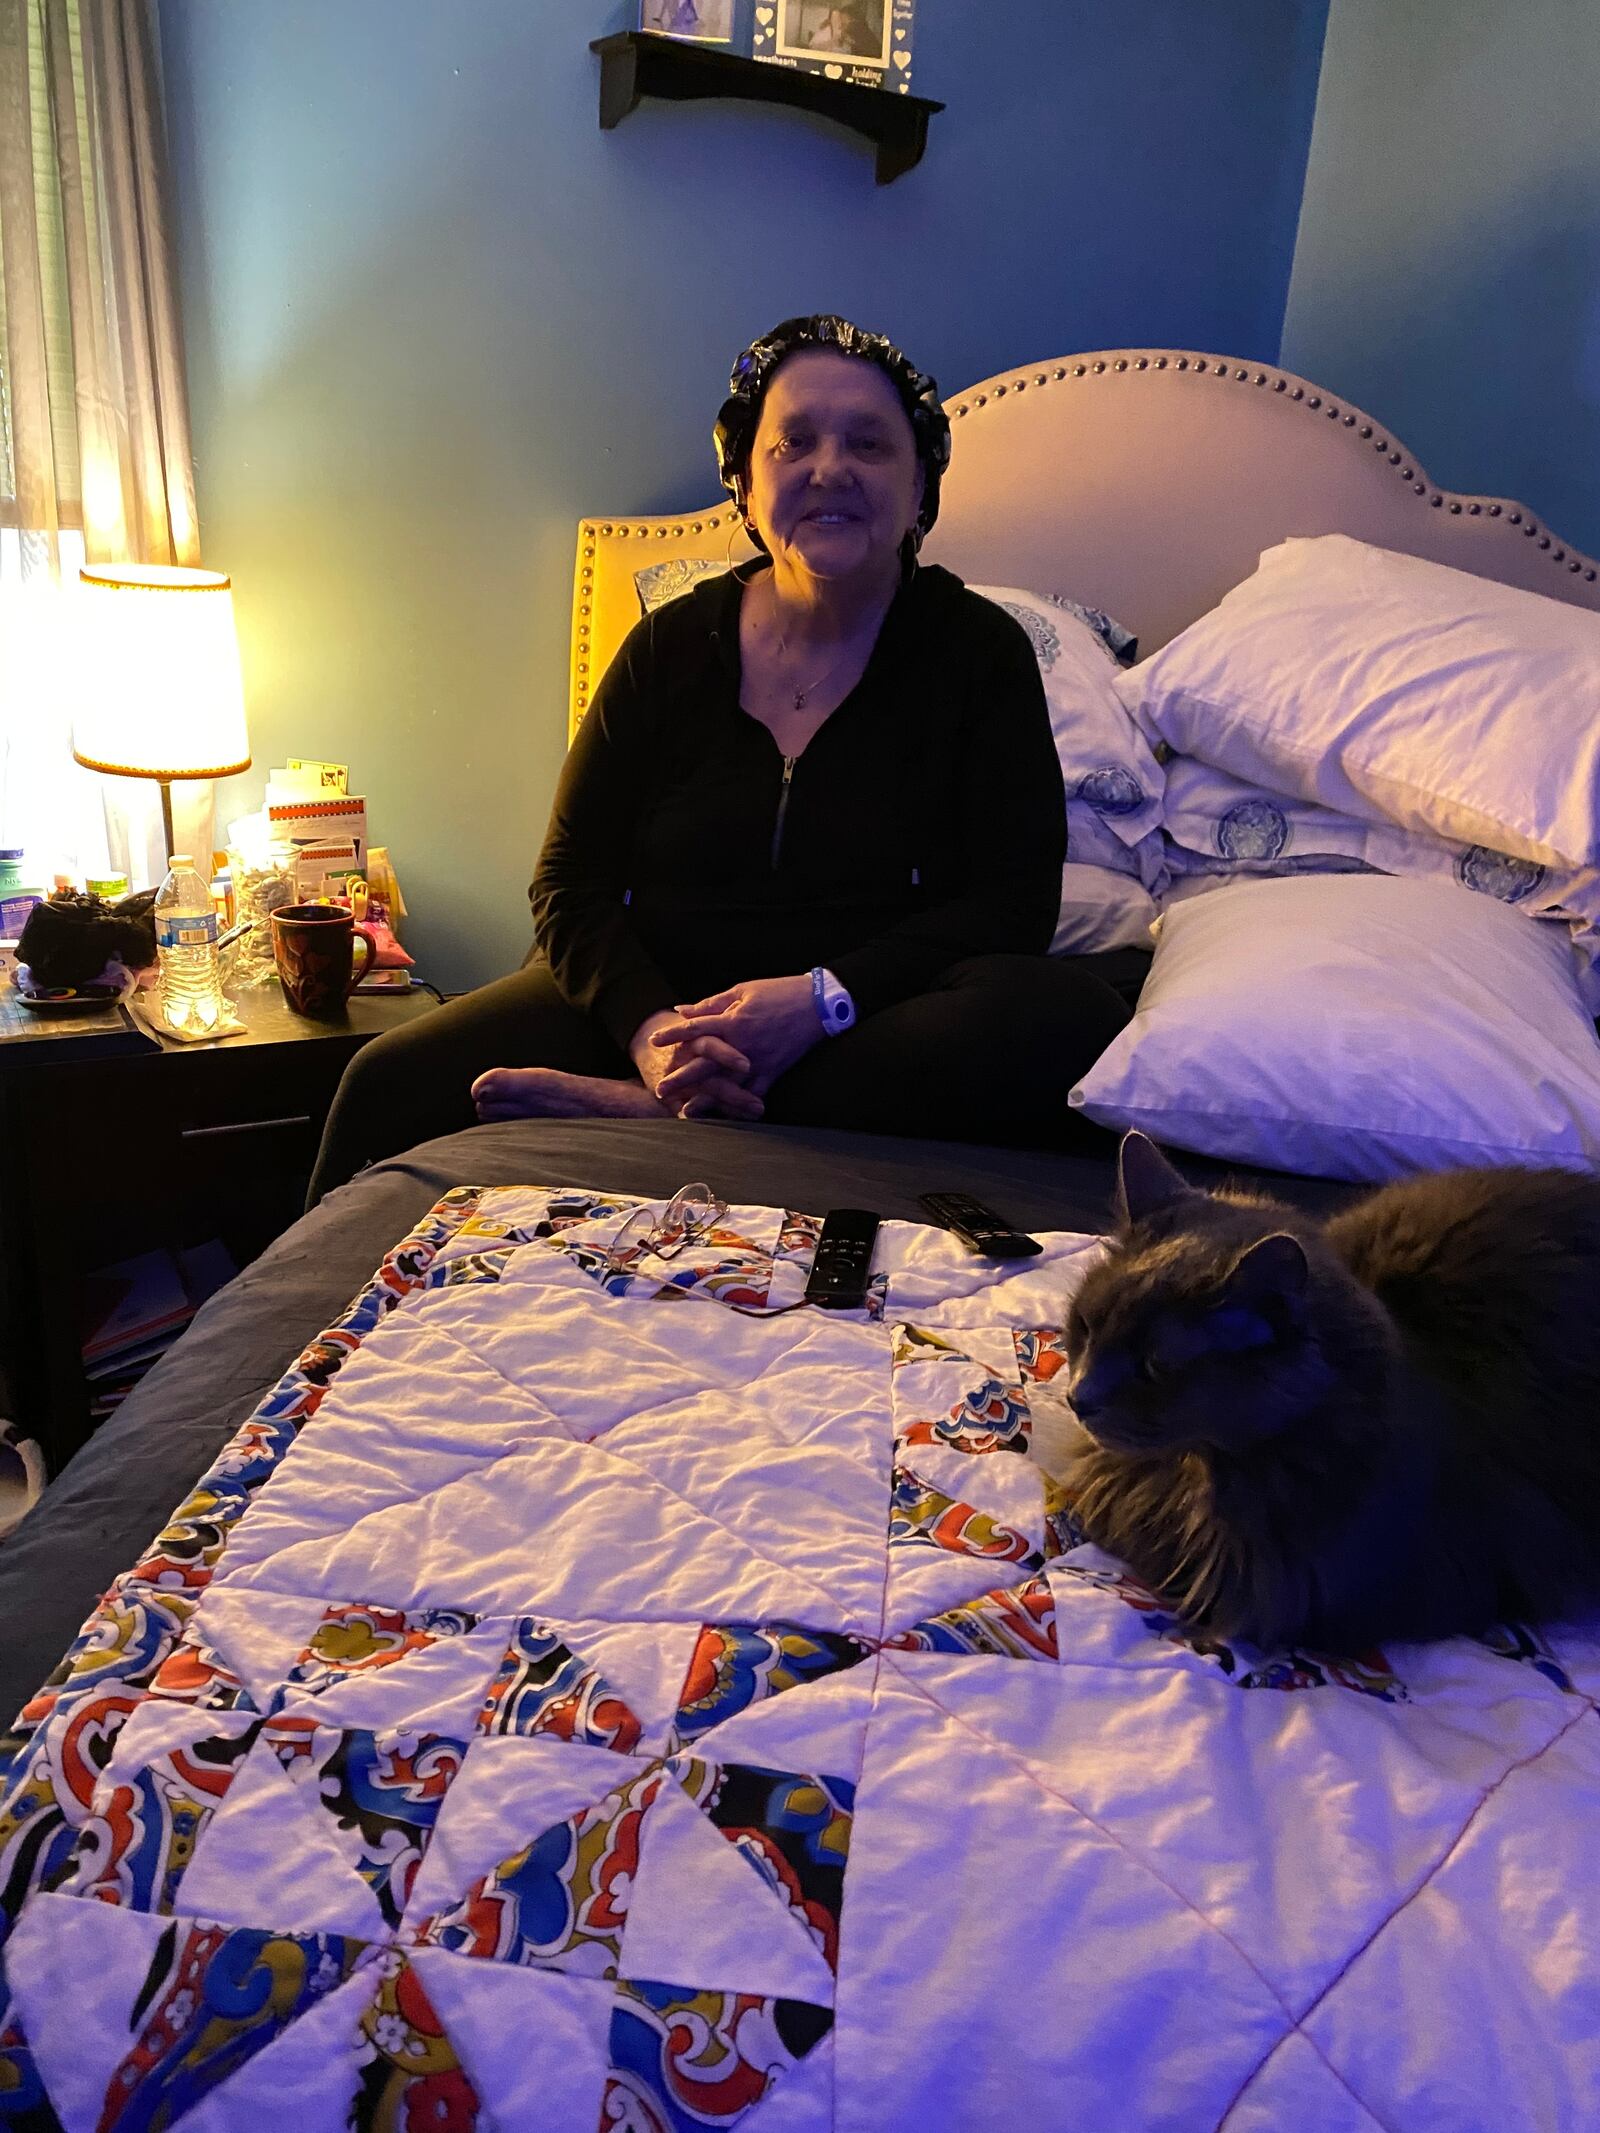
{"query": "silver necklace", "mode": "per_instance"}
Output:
(800, 697)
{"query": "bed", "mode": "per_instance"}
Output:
(326, 1800)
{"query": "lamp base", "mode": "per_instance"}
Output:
(166, 821)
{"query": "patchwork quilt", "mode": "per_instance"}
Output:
(589, 1695)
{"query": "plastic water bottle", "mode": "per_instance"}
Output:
(186, 945)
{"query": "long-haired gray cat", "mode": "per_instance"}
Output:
(1331, 1434)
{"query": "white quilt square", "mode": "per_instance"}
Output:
(532, 2042)
(701, 1914)
(1510, 1913)
(1024, 1953)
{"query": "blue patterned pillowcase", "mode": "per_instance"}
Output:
(1221, 826)
(1122, 644)
(1111, 777)
(662, 582)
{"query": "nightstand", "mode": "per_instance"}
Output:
(112, 1144)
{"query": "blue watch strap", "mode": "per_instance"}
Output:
(836, 1011)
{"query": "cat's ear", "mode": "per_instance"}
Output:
(1273, 1267)
(1146, 1181)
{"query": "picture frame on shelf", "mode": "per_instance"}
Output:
(866, 43)
(690, 21)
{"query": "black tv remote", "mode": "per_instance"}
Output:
(843, 1259)
(980, 1229)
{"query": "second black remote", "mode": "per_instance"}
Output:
(843, 1259)
(979, 1227)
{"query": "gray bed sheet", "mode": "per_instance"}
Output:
(97, 1516)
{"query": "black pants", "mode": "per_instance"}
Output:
(987, 1054)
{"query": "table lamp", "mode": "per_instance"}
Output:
(160, 694)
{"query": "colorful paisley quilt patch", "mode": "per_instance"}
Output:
(988, 1417)
(357, 1640)
(1041, 1352)
(683, 2060)
(942, 1395)
(123, 1643)
(411, 2077)
(1016, 1622)
(921, 1516)
(562, 1901)
(794, 1830)
(142, 1833)
(196, 1673)
(544, 1687)
(47, 1808)
(215, 1996)
(737, 1664)
(381, 1792)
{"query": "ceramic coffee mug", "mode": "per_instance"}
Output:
(313, 946)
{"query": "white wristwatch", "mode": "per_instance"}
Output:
(836, 1011)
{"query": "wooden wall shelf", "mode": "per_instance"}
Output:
(637, 63)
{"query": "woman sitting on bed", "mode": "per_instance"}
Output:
(805, 855)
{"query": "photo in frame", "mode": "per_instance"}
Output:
(691, 21)
(864, 42)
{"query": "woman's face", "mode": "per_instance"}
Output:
(834, 483)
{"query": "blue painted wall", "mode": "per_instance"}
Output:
(1447, 275)
(433, 315)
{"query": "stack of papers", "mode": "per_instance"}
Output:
(311, 803)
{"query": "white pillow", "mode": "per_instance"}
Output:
(1356, 1026)
(1102, 910)
(1106, 763)
(1397, 690)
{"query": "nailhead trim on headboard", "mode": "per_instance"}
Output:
(1314, 402)
(1258, 377)
(622, 529)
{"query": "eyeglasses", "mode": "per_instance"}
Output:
(689, 1214)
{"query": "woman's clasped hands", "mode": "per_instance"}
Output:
(717, 1057)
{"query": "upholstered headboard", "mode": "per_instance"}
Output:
(1145, 481)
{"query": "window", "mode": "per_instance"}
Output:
(94, 433)
(33, 288)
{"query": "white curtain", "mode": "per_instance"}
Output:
(94, 434)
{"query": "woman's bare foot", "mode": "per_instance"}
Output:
(541, 1092)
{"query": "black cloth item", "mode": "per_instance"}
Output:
(71, 939)
(923, 825)
(987, 1052)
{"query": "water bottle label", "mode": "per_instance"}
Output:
(187, 930)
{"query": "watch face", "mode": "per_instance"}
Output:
(835, 1009)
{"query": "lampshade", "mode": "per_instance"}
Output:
(159, 691)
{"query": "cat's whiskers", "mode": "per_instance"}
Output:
(1192, 1581)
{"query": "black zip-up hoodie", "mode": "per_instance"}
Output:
(924, 822)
